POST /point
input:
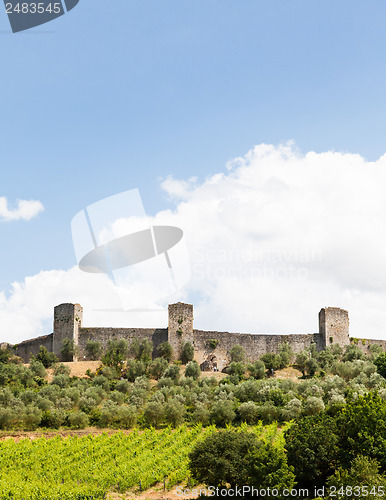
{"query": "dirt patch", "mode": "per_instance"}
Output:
(78, 368)
(289, 373)
(157, 493)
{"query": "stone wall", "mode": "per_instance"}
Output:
(103, 335)
(333, 328)
(255, 345)
(31, 347)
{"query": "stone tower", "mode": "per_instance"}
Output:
(333, 326)
(180, 329)
(67, 321)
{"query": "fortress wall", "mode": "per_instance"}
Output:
(31, 347)
(365, 344)
(255, 345)
(104, 334)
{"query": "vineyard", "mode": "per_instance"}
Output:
(89, 467)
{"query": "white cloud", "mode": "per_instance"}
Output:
(25, 209)
(272, 240)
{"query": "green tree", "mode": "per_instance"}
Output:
(193, 370)
(363, 472)
(271, 361)
(69, 349)
(157, 367)
(312, 445)
(380, 363)
(237, 354)
(187, 353)
(239, 459)
(166, 351)
(45, 357)
(256, 369)
(94, 349)
(117, 351)
(362, 429)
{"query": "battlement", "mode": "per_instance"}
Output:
(208, 345)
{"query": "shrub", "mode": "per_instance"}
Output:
(6, 418)
(69, 349)
(237, 354)
(166, 351)
(239, 459)
(53, 418)
(222, 413)
(45, 357)
(380, 363)
(117, 351)
(292, 410)
(174, 412)
(313, 405)
(62, 369)
(126, 416)
(78, 420)
(94, 349)
(37, 368)
(141, 350)
(213, 343)
(187, 353)
(157, 367)
(193, 370)
(31, 417)
(249, 412)
(172, 372)
(153, 414)
(256, 369)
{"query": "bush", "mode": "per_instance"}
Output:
(53, 418)
(380, 363)
(256, 369)
(166, 351)
(237, 369)
(117, 351)
(45, 357)
(172, 372)
(69, 349)
(222, 413)
(271, 361)
(187, 353)
(94, 349)
(78, 420)
(62, 369)
(31, 417)
(193, 370)
(134, 369)
(312, 446)
(249, 412)
(37, 368)
(153, 414)
(237, 354)
(141, 350)
(239, 459)
(6, 418)
(126, 417)
(157, 367)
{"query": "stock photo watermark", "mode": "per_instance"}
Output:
(29, 14)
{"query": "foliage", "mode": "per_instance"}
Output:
(271, 361)
(187, 352)
(157, 367)
(117, 351)
(362, 429)
(166, 351)
(256, 369)
(363, 472)
(69, 349)
(380, 363)
(213, 343)
(312, 449)
(193, 370)
(237, 354)
(240, 459)
(94, 349)
(45, 357)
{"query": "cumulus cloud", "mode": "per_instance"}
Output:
(274, 238)
(24, 210)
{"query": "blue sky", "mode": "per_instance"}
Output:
(126, 94)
